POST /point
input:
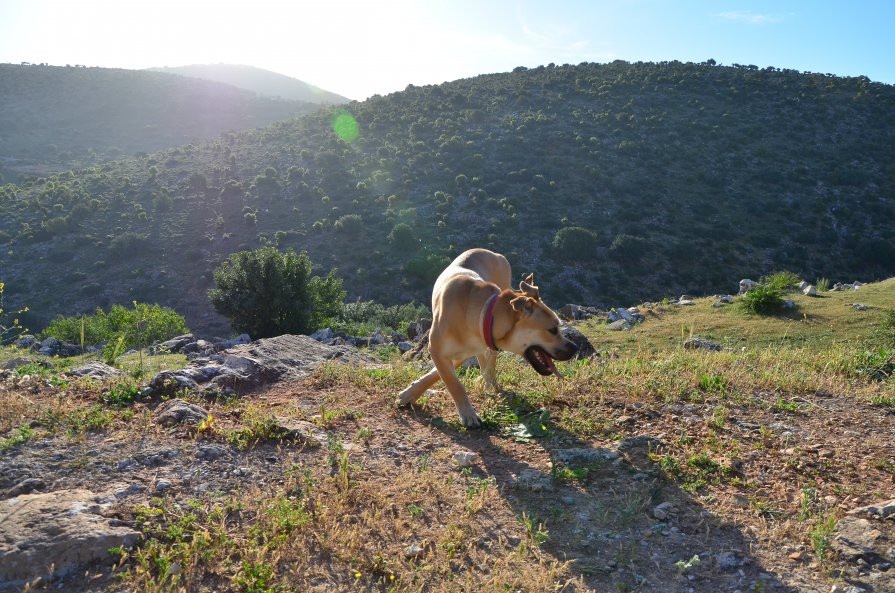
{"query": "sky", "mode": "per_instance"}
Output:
(360, 48)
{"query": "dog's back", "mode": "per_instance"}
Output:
(478, 264)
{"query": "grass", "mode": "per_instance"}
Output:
(344, 514)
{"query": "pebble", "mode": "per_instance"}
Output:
(662, 511)
(413, 550)
(465, 458)
(162, 486)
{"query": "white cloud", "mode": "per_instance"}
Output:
(751, 18)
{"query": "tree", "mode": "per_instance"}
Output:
(265, 292)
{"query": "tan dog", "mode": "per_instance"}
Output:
(475, 313)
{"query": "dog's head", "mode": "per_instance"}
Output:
(534, 331)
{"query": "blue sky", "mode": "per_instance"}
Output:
(362, 47)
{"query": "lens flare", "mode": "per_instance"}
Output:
(345, 127)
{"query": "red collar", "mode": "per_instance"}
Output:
(488, 322)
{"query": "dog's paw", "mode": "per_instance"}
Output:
(470, 419)
(406, 397)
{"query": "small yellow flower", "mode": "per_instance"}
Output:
(357, 575)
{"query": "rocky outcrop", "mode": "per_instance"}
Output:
(55, 534)
(247, 367)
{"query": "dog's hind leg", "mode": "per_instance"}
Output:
(488, 366)
(416, 389)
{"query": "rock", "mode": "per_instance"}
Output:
(420, 351)
(728, 561)
(413, 550)
(701, 344)
(584, 456)
(324, 335)
(859, 307)
(175, 345)
(572, 312)
(55, 534)
(619, 325)
(404, 347)
(26, 486)
(27, 342)
(162, 486)
(534, 480)
(67, 350)
(419, 328)
(746, 285)
(237, 341)
(662, 511)
(301, 429)
(847, 588)
(465, 458)
(95, 370)
(585, 348)
(212, 452)
(879, 510)
(810, 290)
(855, 538)
(16, 362)
(684, 302)
(247, 367)
(49, 347)
(177, 411)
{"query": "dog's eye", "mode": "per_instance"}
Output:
(554, 331)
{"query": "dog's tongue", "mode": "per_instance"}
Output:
(552, 367)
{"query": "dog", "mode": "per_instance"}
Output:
(476, 313)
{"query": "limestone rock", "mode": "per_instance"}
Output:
(177, 411)
(55, 534)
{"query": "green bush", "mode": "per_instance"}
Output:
(130, 328)
(265, 293)
(767, 296)
(575, 242)
(363, 317)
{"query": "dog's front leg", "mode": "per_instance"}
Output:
(488, 367)
(445, 368)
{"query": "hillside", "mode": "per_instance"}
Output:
(263, 82)
(765, 466)
(56, 118)
(614, 183)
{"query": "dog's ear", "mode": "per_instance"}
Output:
(528, 288)
(523, 306)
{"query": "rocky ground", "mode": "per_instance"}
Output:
(615, 513)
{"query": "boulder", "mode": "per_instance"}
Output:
(246, 367)
(14, 363)
(175, 345)
(809, 290)
(237, 341)
(95, 370)
(585, 348)
(49, 347)
(55, 534)
(177, 411)
(746, 285)
(27, 342)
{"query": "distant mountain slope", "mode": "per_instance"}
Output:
(258, 80)
(613, 182)
(53, 118)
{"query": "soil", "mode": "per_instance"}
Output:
(616, 516)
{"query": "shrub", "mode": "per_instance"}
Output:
(575, 242)
(629, 248)
(133, 328)
(401, 236)
(350, 223)
(362, 317)
(767, 296)
(127, 243)
(265, 293)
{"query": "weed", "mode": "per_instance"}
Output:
(806, 508)
(22, 435)
(120, 395)
(820, 534)
(535, 530)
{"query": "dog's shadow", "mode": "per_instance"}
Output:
(607, 510)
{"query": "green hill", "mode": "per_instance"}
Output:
(615, 183)
(55, 118)
(263, 82)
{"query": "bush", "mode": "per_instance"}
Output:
(575, 242)
(265, 293)
(133, 328)
(629, 248)
(350, 223)
(767, 296)
(363, 317)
